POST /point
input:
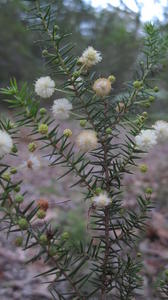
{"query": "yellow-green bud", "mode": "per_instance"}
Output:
(145, 114)
(148, 190)
(32, 147)
(139, 254)
(19, 198)
(53, 250)
(44, 52)
(13, 170)
(56, 27)
(83, 123)
(43, 128)
(11, 125)
(151, 98)
(43, 111)
(41, 214)
(166, 272)
(65, 235)
(147, 104)
(14, 149)
(156, 89)
(23, 224)
(19, 241)
(17, 189)
(112, 78)
(143, 168)
(6, 176)
(43, 239)
(137, 84)
(67, 132)
(98, 190)
(108, 130)
(122, 210)
(141, 119)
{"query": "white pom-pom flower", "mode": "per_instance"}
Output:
(61, 108)
(6, 143)
(45, 87)
(32, 163)
(146, 139)
(90, 57)
(101, 200)
(87, 140)
(161, 130)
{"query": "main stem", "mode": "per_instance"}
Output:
(106, 214)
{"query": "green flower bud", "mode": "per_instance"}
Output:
(14, 149)
(17, 189)
(151, 99)
(43, 111)
(156, 89)
(56, 27)
(32, 147)
(67, 132)
(139, 254)
(43, 128)
(112, 78)
(19, 241)
(83, 123)
(43, 239)
(13, 170)
(76, 74)
(147, 104)
(137, 84)
(98, 190)
(41, 214)
(148, 190)
(19, 198)
(53, 250)
(65, 235)
(143, 168)
(166, 272)
(145, 114)
(6, 176)
(108, 130)
(23, 224)
(44, 52)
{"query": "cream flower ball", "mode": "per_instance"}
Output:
(87, 140)
(6, 143)
(90, 57)
(61, 108)
(146, 139)
(45, 87)
(102, 200)
(102, 87)
(161, 130)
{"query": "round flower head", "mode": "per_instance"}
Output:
(87, 140)
(61, 108)
(101, 200)
(90, 57)
(161, 130)
(146, 139)
(32, 163)
(102, 87)
(6, 143)
(45, 87)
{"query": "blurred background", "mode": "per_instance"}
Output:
(116, 29)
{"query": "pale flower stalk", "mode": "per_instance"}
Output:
(6, 143)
